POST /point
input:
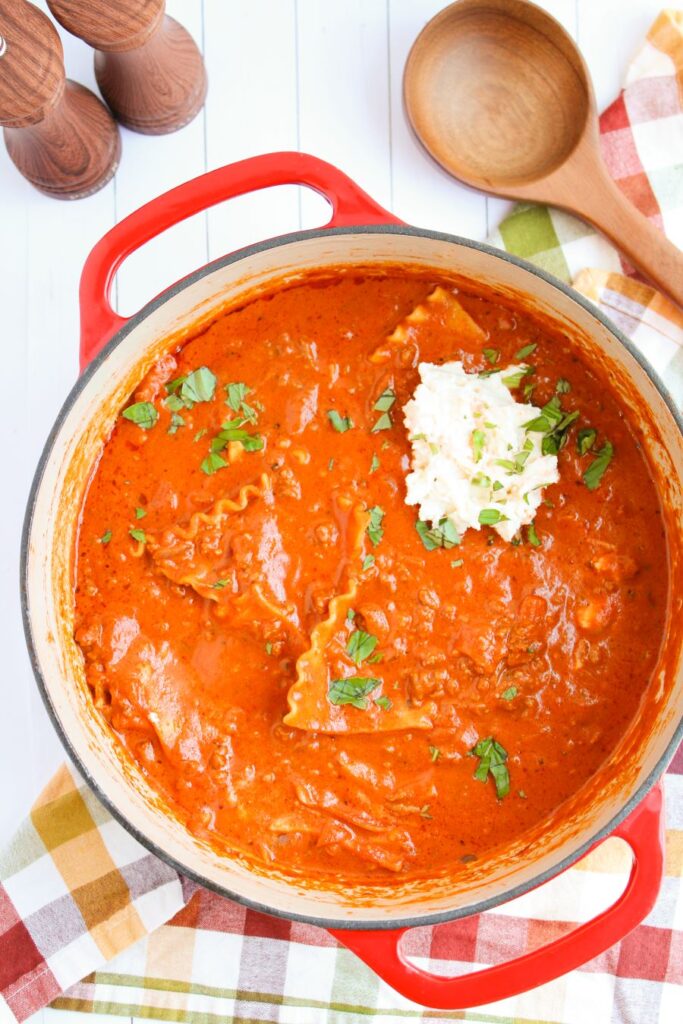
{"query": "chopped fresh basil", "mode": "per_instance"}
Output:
(175, 403)
(526, 351)
(368, 561)
(491, 516)
(516, 464)
(198, 386)
(595, 471)
(105, 538)
(374, 528)
(384, 422)
(352, 690)
(492, 355)
(200, 434)
(554, 423)
(143, 414)
(529, 390)
(212, 463)
(513, 380)
(563, 387)
(532, 536)
(219, 584)
(434, 754)
(554, 442)
(550, 416)
(383, 702)
(585, 439)
(233, 430)
(340, 423)
(177, 422)
(236, 393)
(457, 562)
(269, 648)
(497, 485)
(350, 615)
(185, 392)
(443, 535)
(375, 464)
(492, 758)
(138, 535)
(375, 658)
(251, 443)
(140, 513)
(510, 693)
(172, 386)
(481, 480)
(360, 645)
(478, 442)
(250, 413)
(385, 401)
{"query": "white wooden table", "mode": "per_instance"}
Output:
(323, 76)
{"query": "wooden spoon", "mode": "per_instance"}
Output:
(500, 96)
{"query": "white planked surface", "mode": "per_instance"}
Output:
(318, 75)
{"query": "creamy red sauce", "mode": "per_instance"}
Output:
(191, 630)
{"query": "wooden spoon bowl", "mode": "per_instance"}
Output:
(500, 96)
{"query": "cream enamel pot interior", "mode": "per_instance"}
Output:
(119, 352)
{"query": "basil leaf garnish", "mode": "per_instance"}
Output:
(596, 470)
(352, 690)
(143, 414)
(492, 758)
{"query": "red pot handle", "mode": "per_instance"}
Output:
(643, 830)
(350, 206)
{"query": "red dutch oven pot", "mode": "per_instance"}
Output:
(115, 352)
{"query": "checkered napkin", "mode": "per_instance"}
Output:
(90, 921)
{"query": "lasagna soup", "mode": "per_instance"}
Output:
(347, 626)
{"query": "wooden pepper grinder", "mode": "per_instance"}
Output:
(147, 66)
(59, 135)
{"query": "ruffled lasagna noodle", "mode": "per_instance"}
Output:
(229, 555)
(439, 308)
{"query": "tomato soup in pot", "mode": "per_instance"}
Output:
(311, 672)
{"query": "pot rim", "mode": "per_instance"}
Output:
(413, 921)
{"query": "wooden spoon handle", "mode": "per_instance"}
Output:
(606, 207)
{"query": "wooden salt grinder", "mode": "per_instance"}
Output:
(147, 66)
(58, 134)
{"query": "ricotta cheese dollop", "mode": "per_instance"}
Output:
(473, 461)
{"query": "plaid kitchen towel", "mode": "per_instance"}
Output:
(80, 895)
(83, 905)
